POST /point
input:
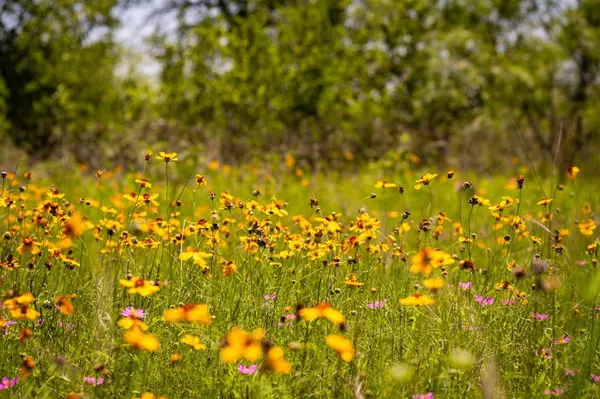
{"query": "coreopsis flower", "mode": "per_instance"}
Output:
(27, 366)
(587, 227)
(141, 341)
(518, 224)
(425, 180)
(190, 313)
(229, 268)
(417, 299)
(323, 310)
(167, 156)
(137, 285)
(201, 180)
(240, 344)
(276, 362)
(428, 259)
(197, 256)
(29, 246)
(150, 395)
(143, 182)
(572, 172)
(20, 307)
(342, 345)
(434, 284)
(352, 281)
(64, 305)
(384, 184)
(192, 341)
(132, 317)
(74, 228)
(545, 202)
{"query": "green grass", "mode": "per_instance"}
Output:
(455, 348)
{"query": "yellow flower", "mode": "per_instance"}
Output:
(276, 362)
(572, 172)
(536, 240)
(518, 224)
(138, 285)
(434, 284)
(19, 307)
(417, 300)
(342, 346)
(197, 256)
(545, 202)
(192, 341)
(427, 259)
(201, 180)
(587, 227)
(30, 246)
(425, 180)
(384, 184)
(190, 312)
(240, 344)
(138, 340)
(167, 156)
(229, 268)
(352, 281)
(323, 310)
(150, 395)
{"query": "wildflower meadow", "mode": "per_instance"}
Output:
(179, 281)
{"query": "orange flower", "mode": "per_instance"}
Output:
(64, 305)
(352, 281)
(27, 365)
(19, 307)
(428, 259)
(572, 172)
(192, 341)
(191, 313)
(276, 362)
(434, 284)
(342, 346)
(30, 246)
(417, 300)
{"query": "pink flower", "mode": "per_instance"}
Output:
(581, 262)
(483, 301)
(6, 383)
(377, 304)
(508, 302)
(93, 380)
(544, 353)
(428, 395)
(247, 370)
(540, 316)
(571, 372)
(595, 377)
(553, 392)
(133, 313)
(465, 285)
(565, 339)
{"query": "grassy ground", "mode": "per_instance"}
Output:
(351, 288)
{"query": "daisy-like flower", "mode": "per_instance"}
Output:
(484, 301)
(6, 382)
(554, 392)
(64, 305)
(93, 380)
(192, 313)
(572, 172)
(240, 344)
(132, 317)
(384, 184)
(270, 297)
(428, 395)
(465, 285)
(167, 156)
(586, 227)
(342, 346)
(595, 378)
(323, 310)
(540, 316)
(20, 307)
(352, 281)
(138, 285)
(29, 246)
(138, 340)
(545, 202)
(434, 284)
(276, 362)
(425, 180)
(428, 259)
(377, 304)
(192, 341)
(571, 372)
(247, 370)
(417, 299)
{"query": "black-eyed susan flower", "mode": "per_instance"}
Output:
(137, 285)
(417, 299)
(323, 310)
(342, 345)
(191, 313)
(425, 180)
